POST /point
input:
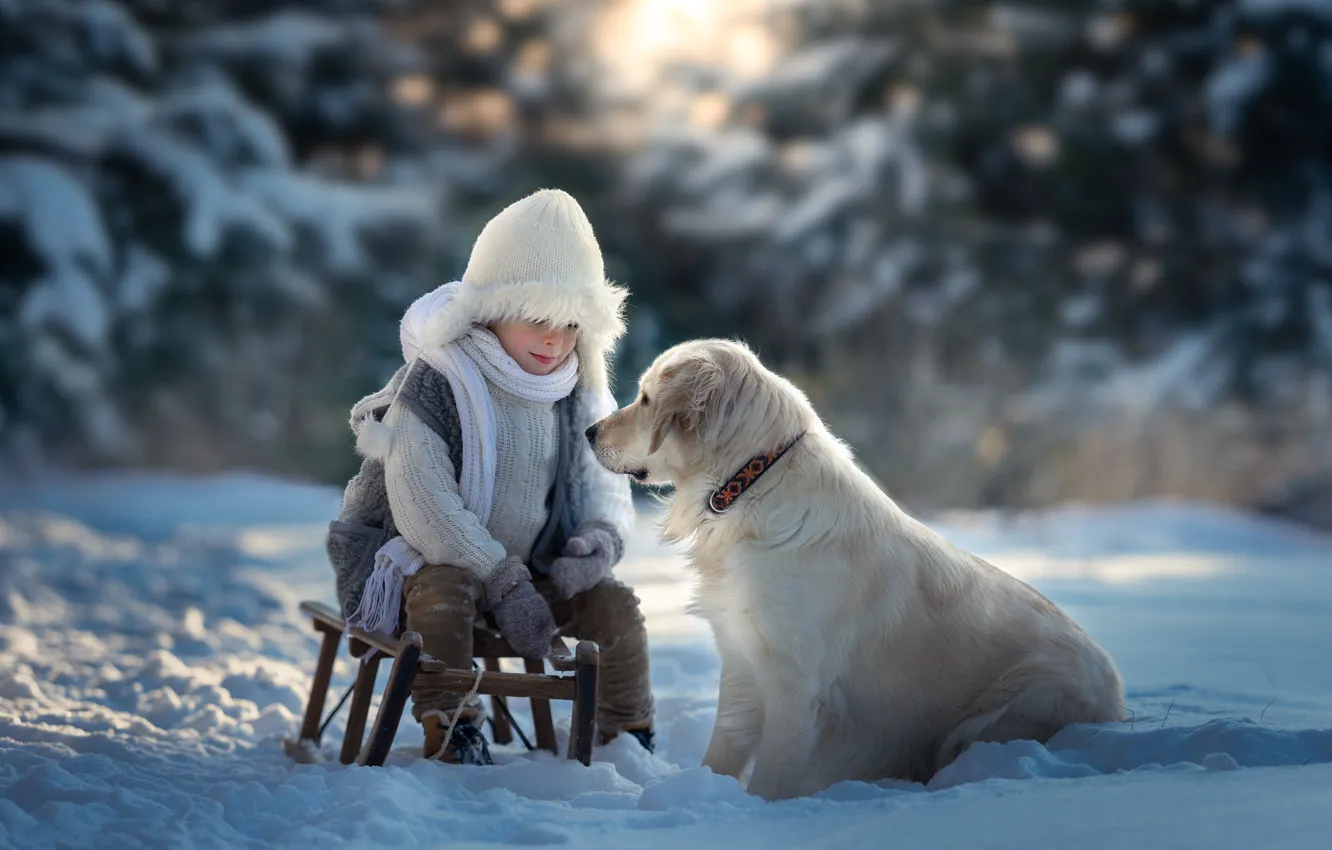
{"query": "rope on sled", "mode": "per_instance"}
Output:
(457, 712)
(503, 705)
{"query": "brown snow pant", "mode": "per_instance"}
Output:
(443, 602)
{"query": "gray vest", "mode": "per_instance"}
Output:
(366, 521)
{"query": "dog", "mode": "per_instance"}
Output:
(855, 642)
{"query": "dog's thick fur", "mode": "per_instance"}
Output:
(856, 643)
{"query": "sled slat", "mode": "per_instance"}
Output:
(583, 724)
(502, 731)
(501, 684)
(314, 709)
(578, 685)
(397, 691)
(486, 644)
(366, 673)
(541, 717)
(322, 614)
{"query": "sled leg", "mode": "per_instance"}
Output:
(314, 709)
(360, 706)
(541, 719)
(397, 691)
(502, 732)
(587, 674)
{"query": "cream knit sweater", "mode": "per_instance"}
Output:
(428, 507)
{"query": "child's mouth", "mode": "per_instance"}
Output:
(543, 359)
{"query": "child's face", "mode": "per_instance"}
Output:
(538, 348)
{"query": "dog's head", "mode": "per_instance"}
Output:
(703, 407)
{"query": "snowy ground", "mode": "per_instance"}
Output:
(151, 658)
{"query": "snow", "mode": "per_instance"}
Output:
(1135, 126)
(232, 128)
(1088, 377)
(146, 276)
(713, 181)
(340, 213)
(837, 61)
(730, 154)
(151, 659)
(103, 30)
(59, 215)
(228, 166)
(1233, 84)
(290, 36)
(81, 129)
(850, 302)
(213, 204)
(820, 202)
(65, 229)
(728, 213)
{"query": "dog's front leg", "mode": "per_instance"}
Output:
(735, 733)
(784, 759)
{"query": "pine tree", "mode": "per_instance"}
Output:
(181, 280)
(1002, 214)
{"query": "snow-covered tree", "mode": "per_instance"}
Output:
(176, 286)
(976, 229)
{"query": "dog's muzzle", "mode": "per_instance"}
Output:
(591, 433)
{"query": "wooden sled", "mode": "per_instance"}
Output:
(575, 679)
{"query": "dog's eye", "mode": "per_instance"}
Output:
(644, 400)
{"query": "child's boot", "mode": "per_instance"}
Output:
(641, 732)
(467, 744)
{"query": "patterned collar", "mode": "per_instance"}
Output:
(724, 496)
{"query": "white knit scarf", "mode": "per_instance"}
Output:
(469, 364)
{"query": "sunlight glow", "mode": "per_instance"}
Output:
(641, 40)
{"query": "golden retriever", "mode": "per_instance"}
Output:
(856, 643)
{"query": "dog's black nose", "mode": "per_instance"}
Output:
(591, 432)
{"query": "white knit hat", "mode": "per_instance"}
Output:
(538, 260)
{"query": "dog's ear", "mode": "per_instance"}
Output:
(706, 384)
(690, 392)
(665, 411)
(661, 426)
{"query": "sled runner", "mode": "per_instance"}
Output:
(574, 679)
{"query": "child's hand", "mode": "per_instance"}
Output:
(522, 614)
(588, 558)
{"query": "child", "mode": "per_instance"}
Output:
(478, 493)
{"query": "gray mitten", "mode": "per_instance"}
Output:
(523, 615)
(592, 550)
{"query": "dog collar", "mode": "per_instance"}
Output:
(724, 496)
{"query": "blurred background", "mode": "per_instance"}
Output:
(1017, 253)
